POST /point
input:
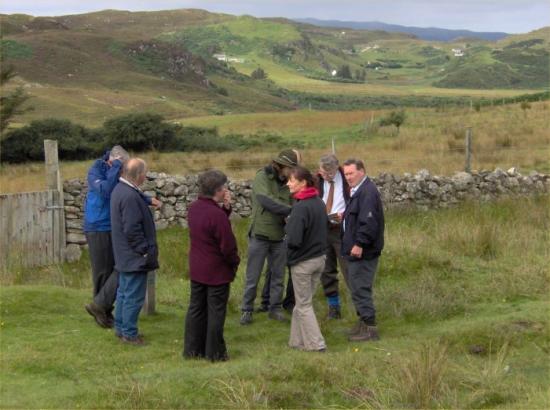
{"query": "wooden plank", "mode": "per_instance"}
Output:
(149, 306)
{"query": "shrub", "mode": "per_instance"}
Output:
(396, 118)
(140, 132)
(27, 143)
(259, 74)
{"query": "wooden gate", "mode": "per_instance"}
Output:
(32, 224)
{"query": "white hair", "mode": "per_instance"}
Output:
(117, 152)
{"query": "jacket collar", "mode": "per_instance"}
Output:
(306, 193)
(361, 187)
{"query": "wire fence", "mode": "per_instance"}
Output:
(475, 154)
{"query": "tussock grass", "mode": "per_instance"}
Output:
(459, 329)
(428, 139)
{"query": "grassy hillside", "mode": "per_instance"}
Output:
(94, 65)
(462, 296)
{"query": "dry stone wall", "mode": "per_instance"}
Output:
(421, 190)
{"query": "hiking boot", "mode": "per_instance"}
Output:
(119, 335)
(263, 309)
(277, 315)
(136, 341)
(246, 318)
(356, 328)
(98, 314)
(366, 333)
(334, 312)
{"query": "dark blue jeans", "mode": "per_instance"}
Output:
(129, 301)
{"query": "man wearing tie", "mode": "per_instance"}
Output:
(334, 190)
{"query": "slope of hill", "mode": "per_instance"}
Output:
(424, 33)
(192, 62)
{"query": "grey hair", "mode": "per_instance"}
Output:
(133, 169)
(210, 181)
(329, 162)
(117, 152)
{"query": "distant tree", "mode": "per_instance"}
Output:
(360, 75)
(344, 72)
(12, 103)
(140, 132)
(396, 118)
(259, 74)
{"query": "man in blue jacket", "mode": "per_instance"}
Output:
(134, 247)
(362, 244)
(102, 179)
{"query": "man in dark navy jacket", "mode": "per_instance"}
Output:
(362, 244)
(134, 247)
(102, 178)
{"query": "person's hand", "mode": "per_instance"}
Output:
(227, 199)
(356, 252)
(156, 203)
(339, 217)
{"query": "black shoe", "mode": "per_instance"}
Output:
(246, 318)
(289, 308)
(277, 315)
(334, 312)
(263, 309)
(98, 314)
(110, 319)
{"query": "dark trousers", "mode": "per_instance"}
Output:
(361, 280)
(205, 321)
(104, 277)
(289, 300)
(329, 278)
(258, 251)
(129, 301)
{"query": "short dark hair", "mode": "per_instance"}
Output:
(303, 174)
(210, 181)
(357, 162)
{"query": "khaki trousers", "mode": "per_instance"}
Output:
(304, 329)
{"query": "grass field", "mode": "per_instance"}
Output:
(462, 296)
(503, 136)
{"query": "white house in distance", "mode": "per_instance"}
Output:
(227, 59)
(458, 52)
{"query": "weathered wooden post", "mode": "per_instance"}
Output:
(149, 306)
(468, 149)
(54, 184)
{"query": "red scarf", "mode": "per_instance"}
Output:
(306, 193)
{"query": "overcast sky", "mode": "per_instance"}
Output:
(512, 16)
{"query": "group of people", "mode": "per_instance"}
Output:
(308, 223)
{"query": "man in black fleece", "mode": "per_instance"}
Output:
(362, 244)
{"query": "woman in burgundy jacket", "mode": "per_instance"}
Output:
(213, 263)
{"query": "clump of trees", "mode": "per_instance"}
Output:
(259, 74)
(395, 118)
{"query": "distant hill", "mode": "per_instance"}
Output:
(190, 62)
(424, 33)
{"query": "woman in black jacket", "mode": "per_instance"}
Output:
(306, 236)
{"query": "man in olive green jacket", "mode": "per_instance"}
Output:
(271, 204)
